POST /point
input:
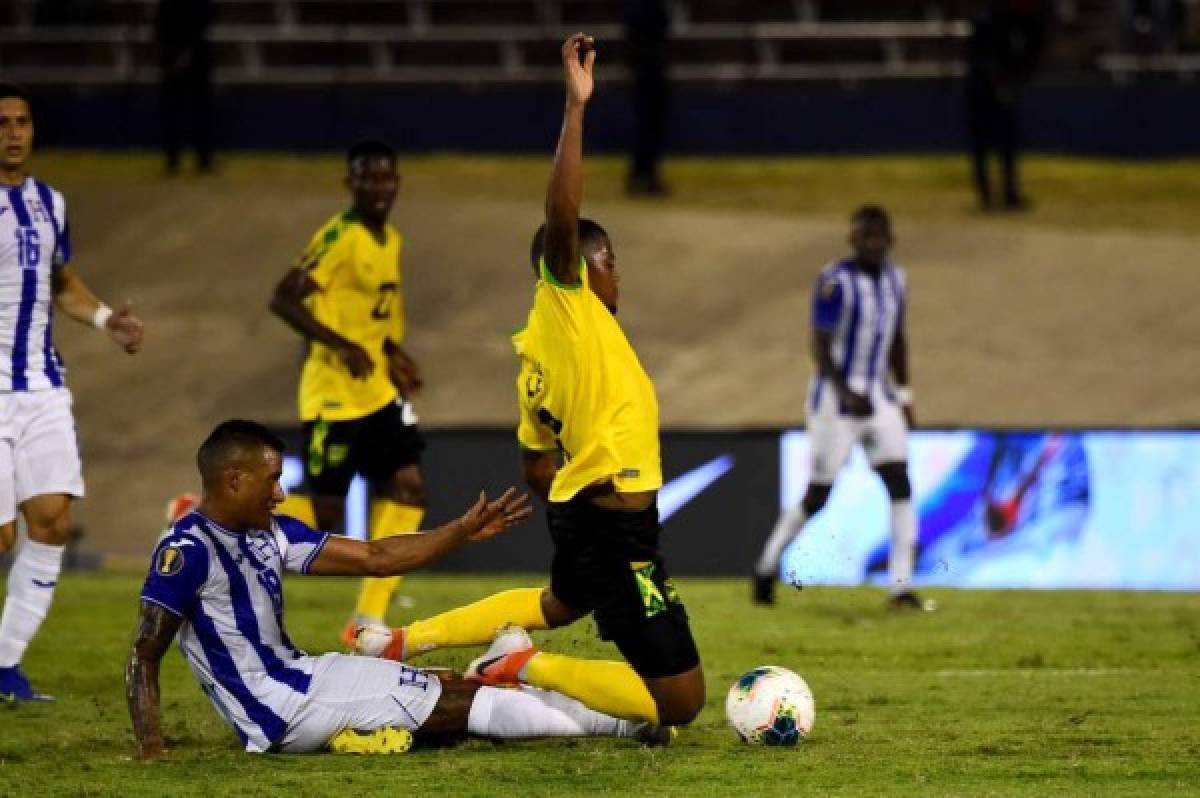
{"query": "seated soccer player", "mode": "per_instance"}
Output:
(215, 585)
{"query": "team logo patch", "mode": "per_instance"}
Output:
(337, 453)
(828, 287)
(170, 561)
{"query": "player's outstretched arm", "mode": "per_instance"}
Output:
(73, 297)
(155, 630)
(401, 554)
(287, 302)
(564, 195)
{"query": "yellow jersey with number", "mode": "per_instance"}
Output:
(358, 296)
(583, 392)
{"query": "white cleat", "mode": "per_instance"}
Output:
(371, 639)
(509, 639)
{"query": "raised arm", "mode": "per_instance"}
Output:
(73, 297)
(287, 302)
(564, 195)
(400, 554)
(155, 630)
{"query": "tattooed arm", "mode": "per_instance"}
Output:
(155, 631)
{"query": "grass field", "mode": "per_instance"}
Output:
(999, 693)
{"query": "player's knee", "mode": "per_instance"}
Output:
(408, 487)
(50, 524)
(681, 707)
(8, 536)
(815, 498)
(556, 612)
(895, 479)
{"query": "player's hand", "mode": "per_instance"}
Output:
(126, 329)
(356, 359)
(404, 372)
(855, 404)
(579, 55)
(487, 519)
(910, 416)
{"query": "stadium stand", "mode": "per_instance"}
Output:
(371, 42)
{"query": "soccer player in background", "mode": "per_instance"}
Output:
(589, 439)
(346, 299)
(40, 469)
(215, 584)
(858, 336)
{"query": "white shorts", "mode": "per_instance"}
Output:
(831, 435)
(39, 450)
(361, 693)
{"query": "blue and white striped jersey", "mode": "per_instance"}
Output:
(227, 587)
(34, 241)
(863, 313)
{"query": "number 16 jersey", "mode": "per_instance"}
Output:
(583, 392)
(359, 297)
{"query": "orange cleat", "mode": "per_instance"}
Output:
(501, 664)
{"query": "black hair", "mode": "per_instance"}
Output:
(227, 440)
(589, 231)
(369, 148)
(13, 90)
(872, 213)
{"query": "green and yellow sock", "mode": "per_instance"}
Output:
(476, 624)
(613, 688)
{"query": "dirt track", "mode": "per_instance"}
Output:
(1010, 324)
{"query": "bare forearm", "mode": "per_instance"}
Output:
(156, 629)
(297, 316)
(564, 198)
(141, 693)
(73, 297)
(402, 554)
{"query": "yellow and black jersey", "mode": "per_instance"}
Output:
(583, 392)
(358, 296)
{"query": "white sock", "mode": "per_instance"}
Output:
(904, 544)
(786, 528)
(521, 712)
(31, 585)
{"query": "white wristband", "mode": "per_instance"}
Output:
(100, 318)
(904, 395)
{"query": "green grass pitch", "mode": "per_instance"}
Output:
(998, 693)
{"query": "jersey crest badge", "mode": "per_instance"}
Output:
(170, 561)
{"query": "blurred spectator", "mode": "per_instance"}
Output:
(1150, 25)
(1003, 51)
(182, 31)
(647, 26)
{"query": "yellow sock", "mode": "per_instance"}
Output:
(387, 518)
(606, 686)
(298, 507)
(477, 623)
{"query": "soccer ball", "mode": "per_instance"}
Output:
(770, 706)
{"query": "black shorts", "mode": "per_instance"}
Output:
(375, 446)
(607, 562)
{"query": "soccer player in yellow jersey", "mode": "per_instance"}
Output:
(589, 438)
(345, 298)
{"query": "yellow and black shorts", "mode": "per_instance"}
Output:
(607, 562)
(375, 446)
